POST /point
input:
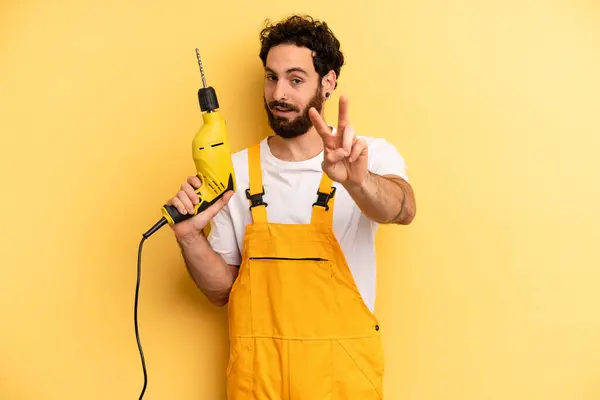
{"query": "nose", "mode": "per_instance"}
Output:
(279, 93)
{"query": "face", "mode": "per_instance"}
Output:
(292, 87)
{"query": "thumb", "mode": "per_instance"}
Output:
(215, 208)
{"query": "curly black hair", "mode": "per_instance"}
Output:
(305, 31)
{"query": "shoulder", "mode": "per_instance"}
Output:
(241, 170)
(380, 148)
(240, 159)
(377, 142)
(384, 157)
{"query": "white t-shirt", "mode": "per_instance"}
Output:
(290, 191)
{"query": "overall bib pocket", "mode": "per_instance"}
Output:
(291, 297)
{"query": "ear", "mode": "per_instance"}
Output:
(328, 82)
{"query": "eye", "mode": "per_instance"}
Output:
(296, 81)
(271, 77)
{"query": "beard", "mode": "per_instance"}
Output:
(298, 126)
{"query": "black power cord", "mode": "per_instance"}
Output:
(135, 316)
(145, 236)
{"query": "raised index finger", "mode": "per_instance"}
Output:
(319, 123)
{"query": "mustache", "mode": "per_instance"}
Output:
(283, 106)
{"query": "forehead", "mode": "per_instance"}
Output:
(285, 58)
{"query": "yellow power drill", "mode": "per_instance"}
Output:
(214, 167)
(212, 157)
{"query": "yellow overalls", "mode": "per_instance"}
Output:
(299, 328)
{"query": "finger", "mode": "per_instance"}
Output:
(175, 202)
(319, 123)
(194, 181)
(359, 147)
(183, 197)
(348, 139)
(191, 193)
(343, 117)
(335, 156)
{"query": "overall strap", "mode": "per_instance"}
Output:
(256, 191)
(322, 209)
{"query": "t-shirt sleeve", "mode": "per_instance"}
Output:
(222, 237)
(385, 159)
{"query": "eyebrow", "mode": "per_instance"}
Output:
(289, 71)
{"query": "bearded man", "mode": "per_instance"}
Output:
(297, 276)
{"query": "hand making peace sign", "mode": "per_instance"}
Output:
(345, 157)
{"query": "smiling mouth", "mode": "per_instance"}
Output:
(283, 112)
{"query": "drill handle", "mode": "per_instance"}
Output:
(173, 216)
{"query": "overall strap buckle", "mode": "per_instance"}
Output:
(323, 198)
(256, 199)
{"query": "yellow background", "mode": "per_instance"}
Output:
(492, 294)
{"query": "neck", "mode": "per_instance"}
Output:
(300, 148)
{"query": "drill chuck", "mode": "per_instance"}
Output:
(208, 99)
(206, 95)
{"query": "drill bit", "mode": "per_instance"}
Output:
(201, 69)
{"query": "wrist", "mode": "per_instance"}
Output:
(190, 238)
(358, 186)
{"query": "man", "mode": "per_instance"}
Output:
(297, 267)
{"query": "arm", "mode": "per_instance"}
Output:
(212, 275)
(386, 199)
(373, 174)
(208, 269)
